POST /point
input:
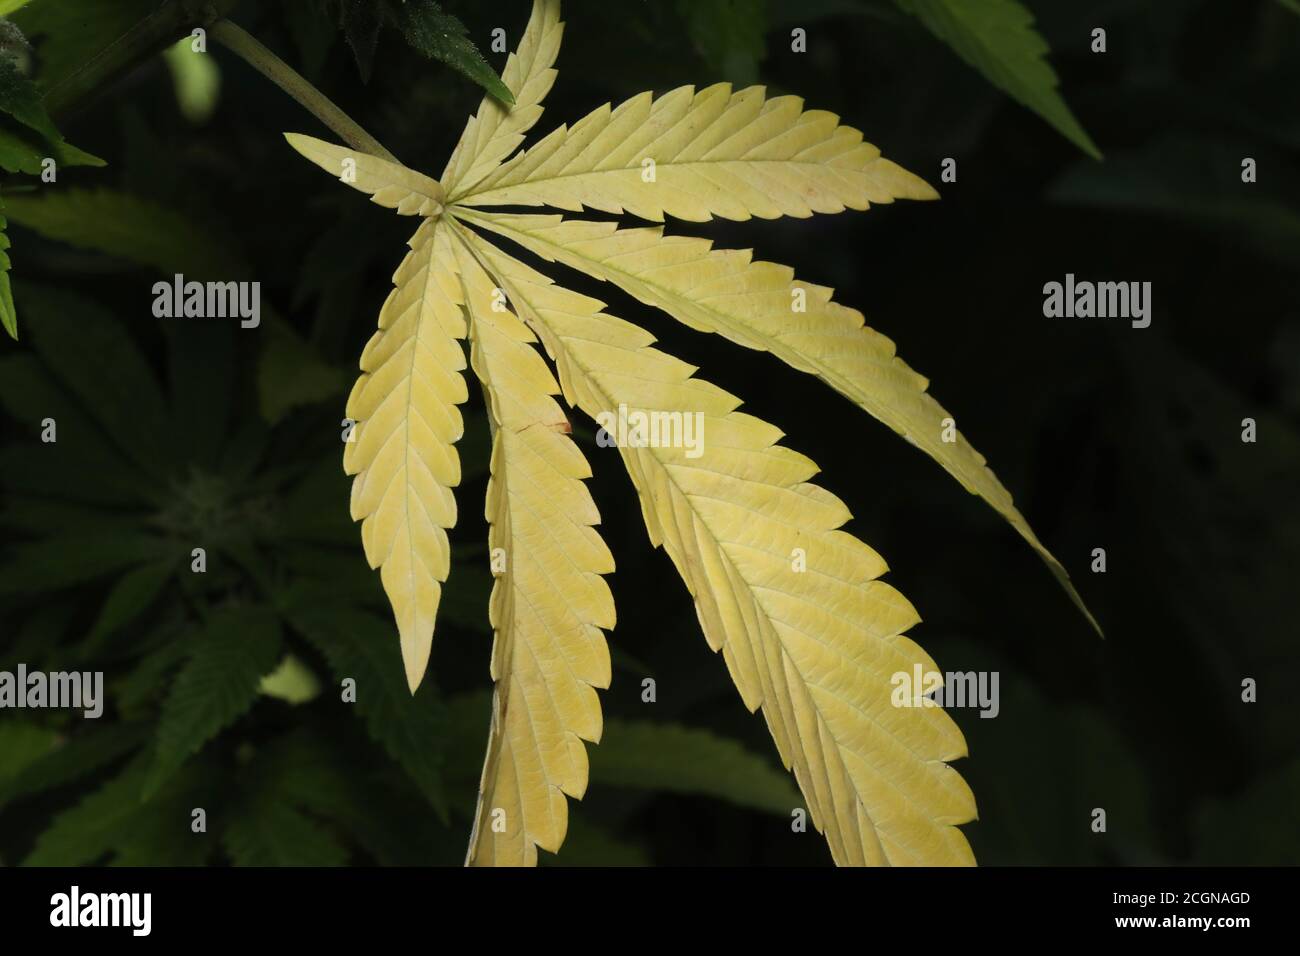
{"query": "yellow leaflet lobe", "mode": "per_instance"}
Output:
(762, 306)
(699, 155)
(402, 447)
(391, 185)
(497, 130)
(816, 649)
(549, 601)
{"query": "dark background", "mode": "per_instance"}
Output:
(1107, 436)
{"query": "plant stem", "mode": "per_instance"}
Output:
(246, 46)
(148, 37)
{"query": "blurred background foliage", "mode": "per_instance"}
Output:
(224, 688)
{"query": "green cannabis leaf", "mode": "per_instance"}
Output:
(20, 100)
(271, 833)
(127, 227)
(403, 725)
(426, 28)
(441, 36)
(684, 759)
(25, 146)
(642, 754)
(217, 685)
(997, 37)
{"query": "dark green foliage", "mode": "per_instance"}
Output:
(28, 138)
(427, 29)
(998, 38)
(68, 33)
(270, 833)
(361, 21)
(728, 35)
(217, 684)
(27, 134)
(355, 644)
(442, 37)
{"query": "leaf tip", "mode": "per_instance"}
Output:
(1063, 577)
(502, 93)
(414, 667)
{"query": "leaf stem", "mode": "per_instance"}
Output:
(247, 47)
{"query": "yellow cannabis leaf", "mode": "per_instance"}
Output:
(549, 601)
(402, 444)
(754, 304)
(495, 131)
(706, 154)
(809, 633)
(816, 650)
(409, 192)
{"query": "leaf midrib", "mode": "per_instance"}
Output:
(501, 187)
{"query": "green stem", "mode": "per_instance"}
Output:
(150, 36)
(244, 45)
